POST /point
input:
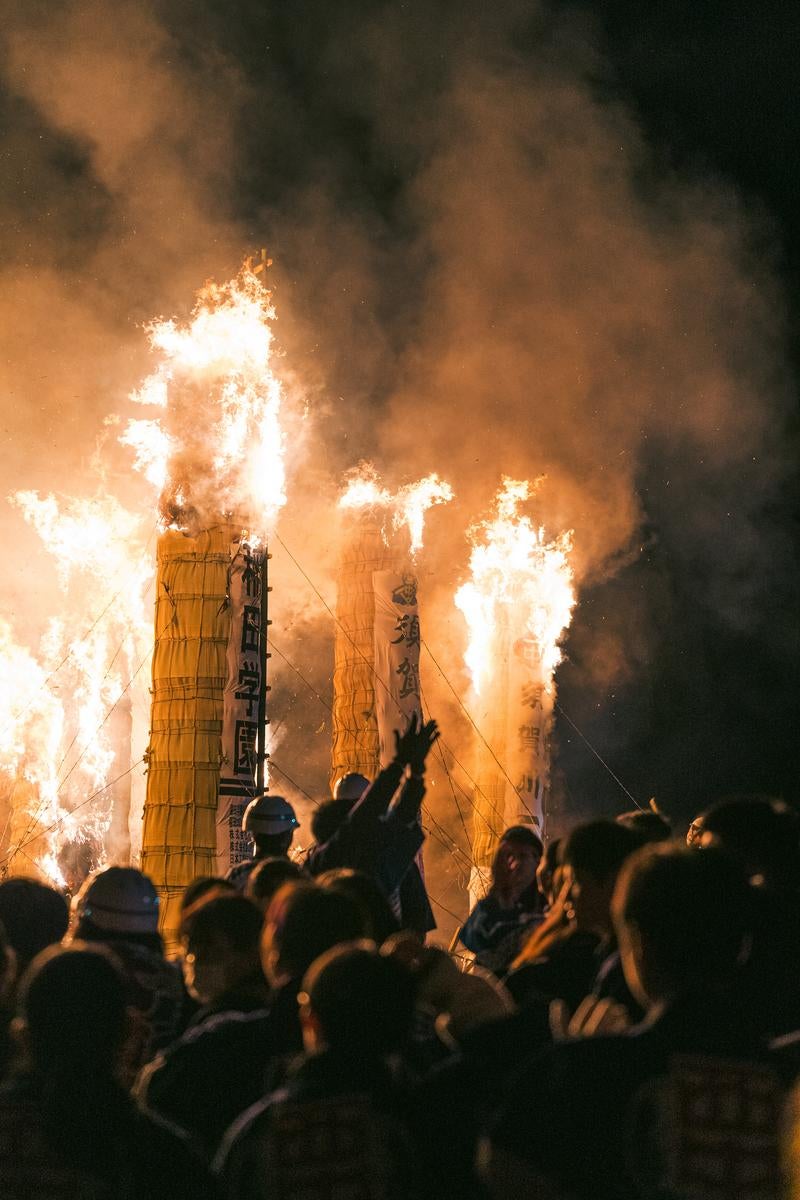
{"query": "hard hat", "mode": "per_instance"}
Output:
(350, 787)
(119, 900)
(269, 814)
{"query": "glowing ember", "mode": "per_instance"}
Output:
(216, 448)
(519, 579)
(407, 507)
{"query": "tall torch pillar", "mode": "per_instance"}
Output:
(356, 742)
(192, 625)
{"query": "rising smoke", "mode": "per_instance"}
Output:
(479, 270)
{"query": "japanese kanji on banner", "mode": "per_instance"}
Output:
(241, 707)
(397, 643)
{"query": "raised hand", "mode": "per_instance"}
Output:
(413, 746)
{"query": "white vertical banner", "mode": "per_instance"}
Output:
(241, 699)
(397, 644)
(529, 709)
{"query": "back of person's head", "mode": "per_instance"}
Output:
(72, 1001)
(302, 922)
(761, 833)
(223, 921)
(379, 920)
(328, 816)
(265, 879)
(599, 848)
(34, 916)
(649, 826)
(360, 1002)
(682, 919)
(117, 904)
(203, 885)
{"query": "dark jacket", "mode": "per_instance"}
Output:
(219, 1068)
(104, 1148)
(585, 1092)
(326, 1094)
(383, 842)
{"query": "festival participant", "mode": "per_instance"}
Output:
(267, 876)
(682, 922)
(67, 1127)
(34, 917)
(763, 836)
(271, 821)
(343, 1103)
(499, 921)
(8, 975)
(118, 907)
(221, 963)
(217, 1069)
(647, 823)
(379, 920)
(382, 839)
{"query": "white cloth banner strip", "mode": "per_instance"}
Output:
(240, 707)
(529, 709)
(397, 695)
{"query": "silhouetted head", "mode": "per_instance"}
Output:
(357, 1002)
(302, 922)
(682, 920)
(34, 916)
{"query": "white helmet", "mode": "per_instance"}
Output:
(118, 900)
(350, 787)
(269, 814)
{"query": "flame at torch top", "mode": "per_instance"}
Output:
(217, 447)
(407, 506)
(514, 567)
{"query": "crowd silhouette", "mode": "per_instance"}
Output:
(619, 1020)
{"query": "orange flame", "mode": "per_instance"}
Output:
(217, 447)
(407, 506)
(516, 570)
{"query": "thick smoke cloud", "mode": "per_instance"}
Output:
(479, 270)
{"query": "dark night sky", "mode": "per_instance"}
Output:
(706, 709)
(706, 705)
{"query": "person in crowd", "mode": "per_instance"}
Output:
(218, 1068)
(271, 821)
(34, 917)
(8, 976)
(569, 965)
(204, 885)
(495, 927)
(379, 919)
(221, 955)
(549, 872)
(267, 876)
(377, 837)
(67, 1127)
(356, 1008)
(648, 823)
(118, 907)
(763, 836)
(682, 921)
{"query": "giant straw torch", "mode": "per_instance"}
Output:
(517, 604)
(376, 680)
(216, 450)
